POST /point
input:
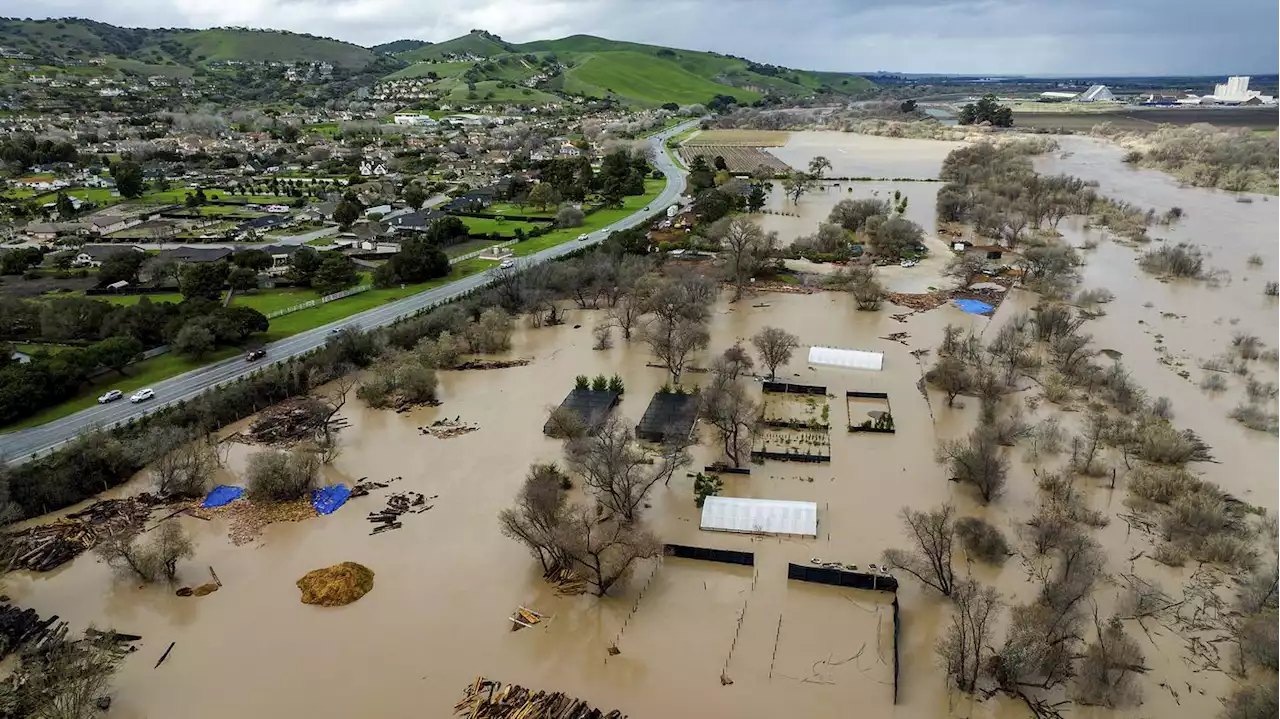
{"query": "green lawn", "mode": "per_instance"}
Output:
(179, 195)
(463, 248)
(133, 299)
(267, 301)
(320, 241)
(142, 374)
(292, 324)
(594, 221)
(506, 208)
(485, 225)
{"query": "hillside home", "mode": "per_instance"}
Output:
(94, 255)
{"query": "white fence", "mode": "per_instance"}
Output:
(313, 303)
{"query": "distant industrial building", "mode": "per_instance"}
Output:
(409, 118)
(1096, 93)
(1056, 96)
(1235, 91)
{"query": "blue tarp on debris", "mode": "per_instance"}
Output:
(975, 307)
(222, 494)
(326, 500)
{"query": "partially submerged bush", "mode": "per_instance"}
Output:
(1213, 382)
(1253, 700)
(400, 380)
(277, 476)
(1247, 346)
(982, 540)
(150, 557)
(1180, 260)
(1256, 417)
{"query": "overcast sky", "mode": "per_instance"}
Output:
(1048, 37)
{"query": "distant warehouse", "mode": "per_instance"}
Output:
(1096, 93)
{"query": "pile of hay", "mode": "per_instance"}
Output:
(337, 585)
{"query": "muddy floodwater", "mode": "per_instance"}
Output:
(854, 155)
(447, 581)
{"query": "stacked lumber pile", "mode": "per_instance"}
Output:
(489, 699)
(567, 582)
(446, 428)
(398, 505)
(48, 546)
(289, 421)
(23, 627)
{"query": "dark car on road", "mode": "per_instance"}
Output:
(255, 355)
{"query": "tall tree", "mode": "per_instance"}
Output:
(748, 247)
(818, 165)
(796, 184)
(932, 534)
(128, 177)
(673, 341)
(775, 346)
(724, 404)
(203, 279)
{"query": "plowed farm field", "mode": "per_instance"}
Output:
(738, 158)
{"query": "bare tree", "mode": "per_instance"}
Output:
(929, 559)
(617, 470)
(673, 341)
(626, 314)
(604, 548)
(61, 679)
(951, 376)
(748, 247)
(566, 424)
(966, 640)
(1108, 671)
(186, 471)
(977, 460)
(538, 514)
(965, 268)
(150, 559)
(724, 404)
(734, 363)
(775, 346)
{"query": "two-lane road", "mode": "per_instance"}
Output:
(19, 446)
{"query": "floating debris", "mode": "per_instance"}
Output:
(567, 582)
(489, 699)
(524, 617)
(446, 428)
(249, 518)
(337, 585)
(290, 421)
(398, 505)
(493, 364)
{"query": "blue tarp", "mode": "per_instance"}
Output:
(975, 307)
(326, 500)
(222, 494)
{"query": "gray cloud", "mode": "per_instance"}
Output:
(960, 36)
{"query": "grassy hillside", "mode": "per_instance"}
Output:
(644, 79)
(271, 45)
(77, 39)
(478, 43)
(750, 79)
(398, 46)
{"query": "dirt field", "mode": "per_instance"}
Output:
(1146, 119)
(753, 138)
(738, 158)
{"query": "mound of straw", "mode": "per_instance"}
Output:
(337, 585)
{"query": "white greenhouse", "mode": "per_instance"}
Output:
(846, 359)
(760, 516)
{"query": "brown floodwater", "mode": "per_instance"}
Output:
(447, 581)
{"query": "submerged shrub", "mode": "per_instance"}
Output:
(1256, 417)
(982, 540)
(1180, 260)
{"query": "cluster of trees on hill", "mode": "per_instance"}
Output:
(22, 150)
(622, 173)
(988, 109)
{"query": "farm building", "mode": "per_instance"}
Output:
(1056, 96)
(668, 414)
(760, 516)
(591, 406)
(1096, 93)
(846, 359)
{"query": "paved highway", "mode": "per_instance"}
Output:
(19, 446)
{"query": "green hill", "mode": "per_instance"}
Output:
(76, 39)
(477, 42)
(398, 46)
(645, 80)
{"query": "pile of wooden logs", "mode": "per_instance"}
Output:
(446, 428)
(491, 364)
(289, 421)
(488, 699)
(567, 581)
(21, 627)
(398, 504)
(48, 546)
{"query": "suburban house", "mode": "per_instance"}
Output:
(413, 221)
(369, 169)
(281, 256)
(321, 212)
(49, 231)
(569, 150)
(105, 223)
(194, 254)
(94, 255)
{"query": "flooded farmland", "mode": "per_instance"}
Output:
(447, 581)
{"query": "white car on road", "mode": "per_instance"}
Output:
(142, 395)
(582, 236)
(506, 264)
(908, 263)
(111, 396)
